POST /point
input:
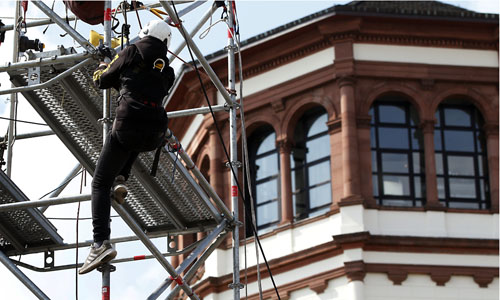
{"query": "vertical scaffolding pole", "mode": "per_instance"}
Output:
(236, 285)
(13, 96)
(106, 103)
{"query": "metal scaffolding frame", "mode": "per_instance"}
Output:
(155, 206)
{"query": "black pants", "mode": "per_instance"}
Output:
(117, 157)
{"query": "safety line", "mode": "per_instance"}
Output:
(228, 158)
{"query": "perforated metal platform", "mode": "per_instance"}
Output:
(20, 229)
(72, 108)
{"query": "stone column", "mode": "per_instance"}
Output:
(285, 148)
(216, 171)
(350, 155)
(432, 199)
(491, 132)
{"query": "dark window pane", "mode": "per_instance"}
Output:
(395, 163)
(438, 118)
(392, 114)
(372, 114)
(455, 140)
(318, 148)
(482, 189)
(439, 164)
(391, 202)
(419, 187)
(396, 185)
(457, 117)
(319, 173)
(320, 195)
(268, 144)
(267, 213)
(481, 165)
(466, 205)
(417, 139)
(319, 212)
(414, 121)
(461, 165)
(393, 138)
(375, 185)
(318, 126)
(267, 191)
(462, 188)
(437, 140)
(418, 165)
(373, 141)
(374, 161)
(480, 142)
(267, 166)
(441, 190)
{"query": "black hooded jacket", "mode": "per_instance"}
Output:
(142, 76)
(133, 70)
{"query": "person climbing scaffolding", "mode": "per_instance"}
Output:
(142, 75)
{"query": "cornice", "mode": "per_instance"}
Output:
(357, 270)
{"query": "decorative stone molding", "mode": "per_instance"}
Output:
(319, 286)
(355, 270)
(278, 105)
(284, 145)
(351, 200)
(346, 81)
(334, 126)
(427, 83)
(363, 122)
(427, 126)
(397, 276)
(440, 277)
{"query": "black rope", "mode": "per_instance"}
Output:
(21, 121)
(228, 157)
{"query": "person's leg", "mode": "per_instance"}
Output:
(112, 159)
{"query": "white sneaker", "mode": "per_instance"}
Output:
(98, 256)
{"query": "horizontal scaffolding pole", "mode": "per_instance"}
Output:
(202, 180)
(49, 82)
(114, 261)
(195, 111)
(69, 58)
(34, 23)
(37, 203)
(215, 79)
(31, 135)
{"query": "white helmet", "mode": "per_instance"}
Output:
(158, 29)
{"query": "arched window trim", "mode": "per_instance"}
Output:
(256, 139)
(413, 128)
(304, 125)
(479, 154)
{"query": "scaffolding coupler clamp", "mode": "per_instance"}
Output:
(105, 120)
(236, 164)
(238, 285)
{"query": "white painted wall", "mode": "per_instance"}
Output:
(419, 287)
(466, 260)
(426, 55)
(431, 224)
(285, 73)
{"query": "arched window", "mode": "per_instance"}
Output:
(310, 165)
(264, 169)
(397, 153)
(461, 161)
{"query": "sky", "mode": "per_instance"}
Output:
(41, 164)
